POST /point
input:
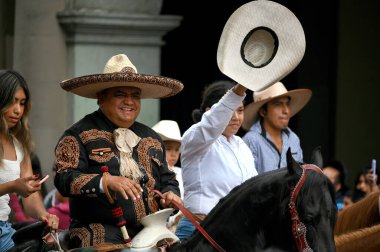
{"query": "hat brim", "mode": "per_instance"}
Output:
(298, 99)
(151, 86)
(165, 138)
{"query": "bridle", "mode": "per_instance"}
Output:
(298, 227)
(195, 220)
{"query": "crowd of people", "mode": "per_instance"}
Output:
(365, 183)
(110, 170)
(109, 163)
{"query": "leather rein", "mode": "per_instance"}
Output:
(195, 220)
(298, 227)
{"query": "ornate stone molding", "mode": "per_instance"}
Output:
(90, 22)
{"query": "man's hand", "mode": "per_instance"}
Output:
(125, 186)
(168, 199)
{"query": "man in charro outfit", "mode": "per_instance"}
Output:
(107, 154)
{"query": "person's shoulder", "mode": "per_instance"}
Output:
(16, 143)
(246, 142)
(253, 133)
(256, 128)
(238, 139)
(291, 133)
(83, 122)
(191, 129)
(88, 122)
(143, 130)
(92, 121)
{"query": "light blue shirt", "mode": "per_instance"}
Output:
(211, 165)
(267, 157)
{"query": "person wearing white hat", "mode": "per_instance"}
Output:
(108, 163)
(171, 136)
(266, 120)
(214, 159)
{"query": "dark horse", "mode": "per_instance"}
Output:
(255, 215)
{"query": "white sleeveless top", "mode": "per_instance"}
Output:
(10, 170)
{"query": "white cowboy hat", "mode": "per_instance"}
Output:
(119, 71)
(298, 99)
(261, 43)
(168, 130)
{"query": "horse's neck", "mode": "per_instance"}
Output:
(233, 233)
(242, 222)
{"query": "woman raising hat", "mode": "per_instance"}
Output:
(213, 159)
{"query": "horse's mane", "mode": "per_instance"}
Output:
(365, 239)
(363, 213)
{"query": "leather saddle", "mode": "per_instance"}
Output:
(155, 230)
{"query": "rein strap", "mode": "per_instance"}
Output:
(195, 222)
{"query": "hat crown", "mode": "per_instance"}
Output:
(168, 130)
(119, 63)
(275, 90)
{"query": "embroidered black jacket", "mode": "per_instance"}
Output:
(81, 152)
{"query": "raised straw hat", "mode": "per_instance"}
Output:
(261, 43)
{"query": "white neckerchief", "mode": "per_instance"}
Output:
(126, 140)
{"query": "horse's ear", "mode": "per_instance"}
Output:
(316, 157)
(291, 163)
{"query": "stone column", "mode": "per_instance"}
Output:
(40, 56)
(97, 30)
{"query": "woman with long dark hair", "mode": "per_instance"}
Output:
(16, 174)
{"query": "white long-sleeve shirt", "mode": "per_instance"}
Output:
(212, 166)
